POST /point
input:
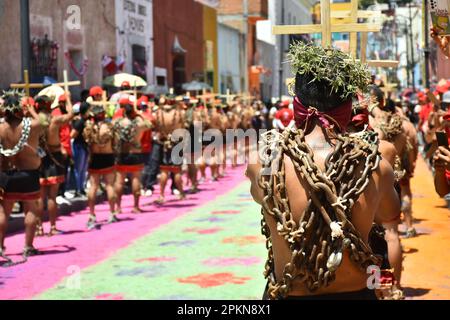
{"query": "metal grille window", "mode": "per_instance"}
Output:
(44, 58)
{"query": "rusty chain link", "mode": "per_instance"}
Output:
(324, 231)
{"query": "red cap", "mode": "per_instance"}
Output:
(285, 104)
(447, 116)
(124, 101)
(142, 100)
(96, 91)
(62, 98)
(125, 84)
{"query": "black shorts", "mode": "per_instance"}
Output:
(102, 163)
(167, 162)
(22, 185)
(131, 163)
(53, 169)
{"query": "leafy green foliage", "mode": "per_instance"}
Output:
(334, 66)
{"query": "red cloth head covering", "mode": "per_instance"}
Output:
(62, 98)
(96, 91)
(125, 84)
(339, 116)
(143, 100)
(124, 101)
(28, 101)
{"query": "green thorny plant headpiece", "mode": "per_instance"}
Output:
(11, 101)
(332, 65)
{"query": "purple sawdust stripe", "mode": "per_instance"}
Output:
(78, 249)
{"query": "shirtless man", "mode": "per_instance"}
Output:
(338, 275)
(212, 152)
(101, 139)
(19, 136)
(202, 117)
(53, 168)
(130, 129)
(168, 119)
(405, 160)
(193, 124)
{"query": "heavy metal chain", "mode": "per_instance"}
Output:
(317, 240)
(391, 125)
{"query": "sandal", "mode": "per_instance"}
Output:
(411, 233)
(54, 232)
(113, 219)
(30, 252)
(160, 201)
(92, 223)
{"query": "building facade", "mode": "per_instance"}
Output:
(185, 42)
(134, 34)
(62, 38)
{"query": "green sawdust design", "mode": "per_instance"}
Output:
(122, 277)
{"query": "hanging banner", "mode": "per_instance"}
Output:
(440, 16)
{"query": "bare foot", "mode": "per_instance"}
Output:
(39, 230)
(137, 210)
(182, 196)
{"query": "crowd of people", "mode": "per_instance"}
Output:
(54, 150)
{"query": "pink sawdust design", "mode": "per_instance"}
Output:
(228, 262)
(205, 280)
(83, 249)
(157, 259)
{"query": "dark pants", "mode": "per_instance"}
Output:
(152, 168)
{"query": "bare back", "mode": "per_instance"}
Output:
(376, 201)
(28, 158)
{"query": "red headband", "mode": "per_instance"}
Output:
(339, 116)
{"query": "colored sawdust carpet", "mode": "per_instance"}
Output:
(205, 251)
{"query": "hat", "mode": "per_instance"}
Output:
(124, 101)
(285, 104)
(443, 86)
(96, 91)
(62, 98)
(446, 97)
(125, 84)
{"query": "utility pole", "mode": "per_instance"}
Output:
(281, 53)
(426, 49)
(25, 34)
(246, 65)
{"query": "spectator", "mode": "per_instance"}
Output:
(80, 149)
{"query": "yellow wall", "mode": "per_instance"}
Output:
(210, 34)
(346, 6)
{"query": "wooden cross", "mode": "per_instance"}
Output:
(104, 102)
(228, 96)
(66, 84)
(27, 85)
(326, 28)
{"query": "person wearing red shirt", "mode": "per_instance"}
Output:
(146, 143)
(284, 117)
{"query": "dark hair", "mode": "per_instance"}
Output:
(377, 92)
(84, 95)
(129, 110)
(84, 108)
(318, 93)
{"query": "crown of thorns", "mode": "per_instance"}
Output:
(11, 100)
(337, 68)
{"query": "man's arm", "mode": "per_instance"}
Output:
(64, 119)
(441, 164)
(389, 205)
(253, 171)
